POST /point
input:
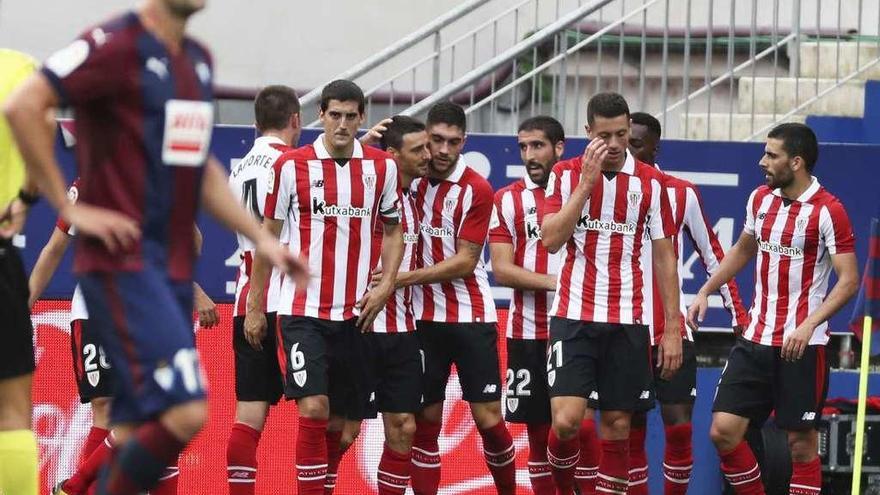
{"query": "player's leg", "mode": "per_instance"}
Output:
(676, 397)
(340, 436)
(475, 354)
(429, 421)
(18, 446)
(638, 457)
(587, 469)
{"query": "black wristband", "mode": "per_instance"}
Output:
(26, 198)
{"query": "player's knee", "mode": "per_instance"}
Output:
(315, 407)
(432, 413)
(252, 414)
(349, 434)
(101, 412)
(723, 436)
(675, 414)
(566, 425)
(185, 420)
(615, 425)
(486, 414)
(803, 445)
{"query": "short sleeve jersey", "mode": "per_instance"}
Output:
(144, 118)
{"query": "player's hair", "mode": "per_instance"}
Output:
(647, 120)
(400, 126)
(447, 113)
(608, 105)
(551, 128)
(274, 106)
(797, 140)
(342, 90)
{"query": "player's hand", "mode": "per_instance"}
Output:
(12, 219)
(281, 257)
(697, 310)
(372, 303)
(374, 135)
(255, 328)
(669, 350)
(117, 231)
(737, 330)
(206, 308)
(591, 161)
(794, 345)
(376, 277)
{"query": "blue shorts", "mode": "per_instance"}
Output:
(145, 323)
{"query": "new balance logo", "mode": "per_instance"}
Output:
(594, 395)
(318, 183)
(646, 394)
(808, 416)
(328, 210)
(490, 388)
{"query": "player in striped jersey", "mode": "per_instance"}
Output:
(521, 262)
(333, 194)
(676, 395)
(799, 232)
(257, 374)
(599, 207)
(457, 322)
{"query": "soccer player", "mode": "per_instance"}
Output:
(521, 262)
(18, 445)
(457, 322)
(142, 94)
(333, 193)
(598, 209)
(799, 232)
(676, 395)
(257, 374)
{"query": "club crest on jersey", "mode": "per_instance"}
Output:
(512, 404)
(72, 194)
(800, 225)
(369, 181)
(634, 198)
(270, 178)
(94, 377)
(300, 377)
(551, 377)
(449, 205)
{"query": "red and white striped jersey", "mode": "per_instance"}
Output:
(249, 180)
(399, 314)
(516, 220)
(795, 239)
(332, 208)
(689, 218)
(78, 310)
(602, 278)
(458, 207)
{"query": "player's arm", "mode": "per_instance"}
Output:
(48, 261)
(735, 260)
(207, 310)
(255, 316)
(509, 274)
(461, 264)
(375, 299)
(558, 227)
(666, 270)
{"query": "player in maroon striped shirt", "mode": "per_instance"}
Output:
(599, 207)
(521, 262)
(799, 232)
(334, 194)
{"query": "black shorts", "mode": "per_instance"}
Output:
(257, 373)
(17, 351)
(682, 387)
(525, 387)
(608, 364)
(756, 380)
(324, 357)
(396, 372)
(93, 370)
(472, 347)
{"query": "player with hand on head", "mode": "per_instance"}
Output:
(142, 93)
(333, 193)
(799, 233)
(258, 382)
(599, 207)
(676, 395)
(520, 261)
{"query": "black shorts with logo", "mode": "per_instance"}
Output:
(526, 399)
(472, 347)
(396, 372)
(682, 387)
(17, 351)
(756, 380)
(257, 373)
(324, 357)
(93, 370)
(609, 364)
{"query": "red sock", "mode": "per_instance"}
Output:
(94, 439)
(678, 461)
(539, 469)
(806, 478)
(591, 452)
(638, 462)
(334, 457)
(87, 472)
(426, 458)
(241, 459)
(499, 453)
(563, 456)
(741, 470)
(311, 456)
(168, 482)
(614, 468)
(394, 469)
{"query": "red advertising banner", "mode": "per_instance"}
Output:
(62, 423)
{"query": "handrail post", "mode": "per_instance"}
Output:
(435, 76)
